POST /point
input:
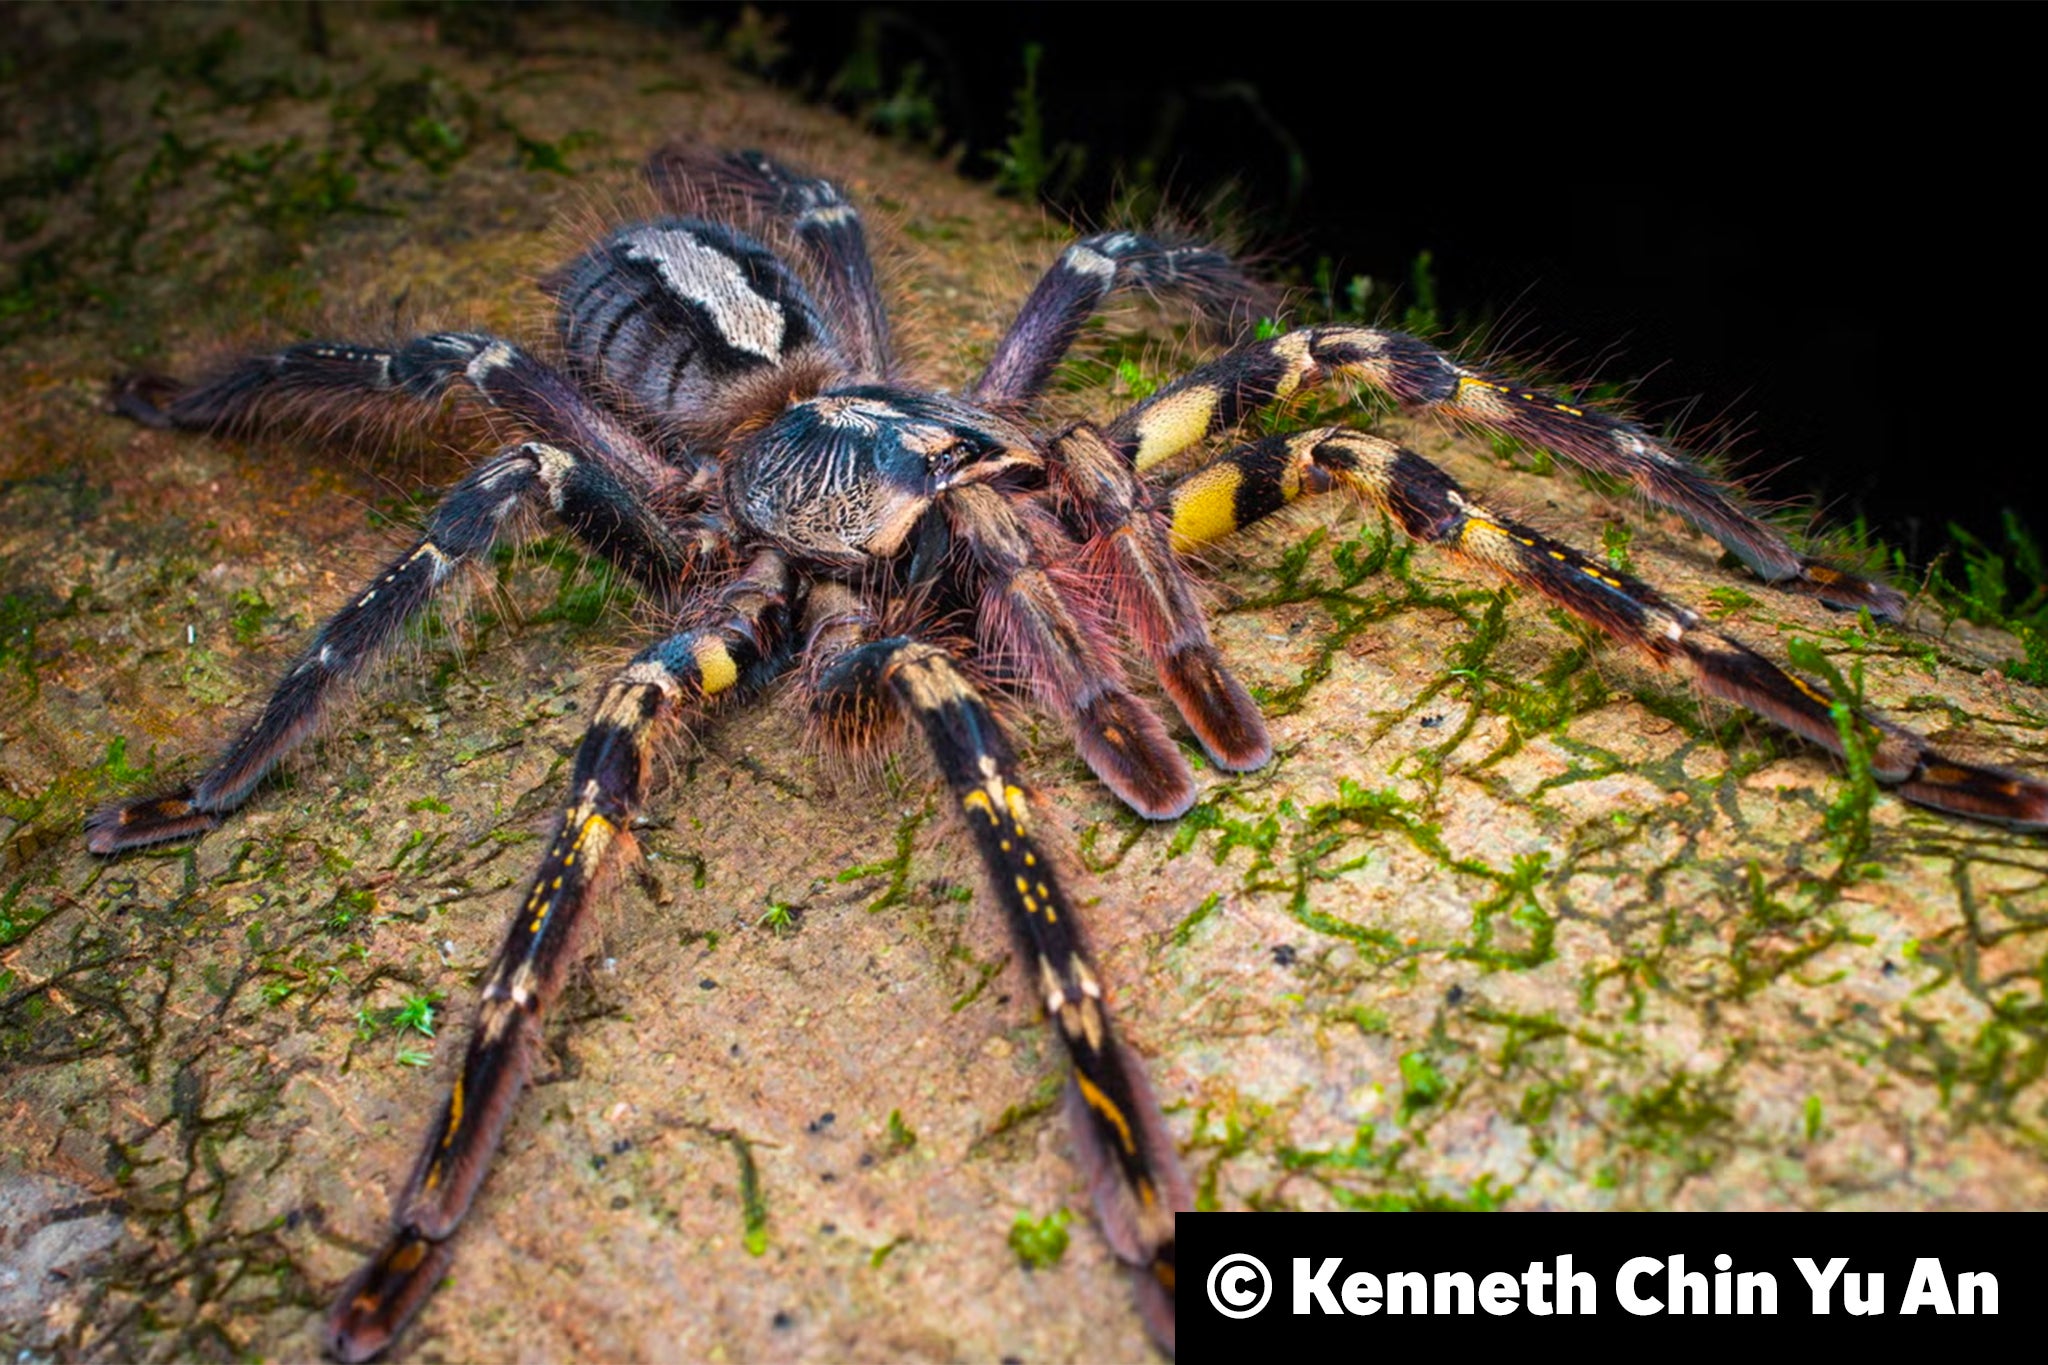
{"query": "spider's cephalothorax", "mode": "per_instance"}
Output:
(726, 425)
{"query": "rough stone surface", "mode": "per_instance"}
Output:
(1510, 921)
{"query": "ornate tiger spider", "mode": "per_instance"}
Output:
(728, 427)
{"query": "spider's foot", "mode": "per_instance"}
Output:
(1991, 794)
(1845, 591)
(144, 397)
(1218, 709)
(152, 820)
(377, 1302)
(1128, 749)
(1136, 1215)
(1155, 1298)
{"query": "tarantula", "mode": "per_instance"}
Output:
(728, 426)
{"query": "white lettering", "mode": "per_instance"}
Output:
(1315, 1287)
(1642, 1305)
(1927, 1289)
(1498, 1292)
(1821, 1282)
(1362, 1293)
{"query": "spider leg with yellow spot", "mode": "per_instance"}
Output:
(648, 699)
(1251, 482)
(1217, 396)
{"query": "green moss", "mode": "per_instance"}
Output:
(1685, 1120)
(425, 118)
(753, 1202)
(1370, 1022)
(1040, 1243)
(1423, 1085)
(984, 972)
(1725, 601)
(1044, 1096)
(897, 868)
(251, 612)
(416, 1012)
(1515, 900)
(1615, 538)
(19, 615)
(289, 189)
(1185, 930)
(1371, 1175)
(1848, 816)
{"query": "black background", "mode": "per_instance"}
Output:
(1808, 231)
(1599, 1244)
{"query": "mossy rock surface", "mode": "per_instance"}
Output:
(1510, 921)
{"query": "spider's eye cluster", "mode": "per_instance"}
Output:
(949, 450)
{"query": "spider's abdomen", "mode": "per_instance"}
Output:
(843, 478)
(676, 316)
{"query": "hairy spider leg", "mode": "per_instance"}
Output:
(1084, 277)
(1035, 617)
(830, 236)
(1129, 1159)
(328, 380)
(1146, 590)
(740, 648)
(1217, 396)
(468, 521)
(1253, 481)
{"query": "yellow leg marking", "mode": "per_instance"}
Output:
(1205, 507)
(596, 832)
(454, 1114)
(1020, 813)
(408, 1257)
(1812, 693)
(715, 665)
(1522, 395)
(978, 800)
(1486, 541)
(1292, 348)
(1105, 1106)
(1176, 423)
